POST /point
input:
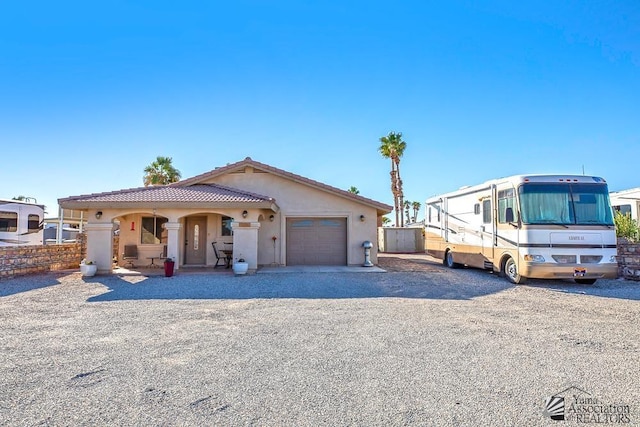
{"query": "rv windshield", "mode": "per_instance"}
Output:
(566, 203)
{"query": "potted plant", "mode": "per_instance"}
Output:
(169, 264)
(240, 266)
(88, 268)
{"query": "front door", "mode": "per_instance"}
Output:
(195, 237)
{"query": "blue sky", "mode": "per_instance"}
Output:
(90, 94)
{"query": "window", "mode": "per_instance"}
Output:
(623, 209)
(34, 222)
(580, 203)
(152, 231)
(226, 226)
(506, 199)
(429, 214)
(486, 211)
(476, 209)
(8, 221)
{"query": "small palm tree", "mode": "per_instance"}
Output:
(416, 208)
(161, 172)
(385, 221)
(353, 190)
(407, 206)
(392, 147)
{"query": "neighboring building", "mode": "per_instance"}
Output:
(626, 201)
(263, 214)
(20, 223)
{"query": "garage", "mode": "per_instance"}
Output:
(316, 241)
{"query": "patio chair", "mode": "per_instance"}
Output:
(219, 256)
(130, 254)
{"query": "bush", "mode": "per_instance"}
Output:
(626, 227)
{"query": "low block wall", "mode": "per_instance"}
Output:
(22, 260)
(628, 260)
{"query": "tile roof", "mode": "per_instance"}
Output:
(190, 194)
(193, 192)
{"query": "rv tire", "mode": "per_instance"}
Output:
(448, 260)
(511, 271)
(585, 281)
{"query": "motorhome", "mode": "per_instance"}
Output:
(527, 226)
(626, 202)
(20, 223)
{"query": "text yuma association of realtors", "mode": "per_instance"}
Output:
(590, 410)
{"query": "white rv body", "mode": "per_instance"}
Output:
(626, 202)
(21, 223)
(537, 226)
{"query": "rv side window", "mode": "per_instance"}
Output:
(34, 222)
(8, 221)
(506, 199)
(623, 209)
(476, 209)
(429, 215)
(486, 211)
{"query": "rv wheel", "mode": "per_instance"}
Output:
(448, 260)
(511, 270)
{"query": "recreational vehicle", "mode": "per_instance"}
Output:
(626, 202)
(20, 223)
(534, 226)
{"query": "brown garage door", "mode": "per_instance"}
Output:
(316, 241)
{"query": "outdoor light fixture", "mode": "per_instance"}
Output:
(133, 226)
(271, 218)
(244, 214)
(362, 218)
(98, 214)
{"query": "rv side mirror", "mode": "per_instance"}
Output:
(509, 215)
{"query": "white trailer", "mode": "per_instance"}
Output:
(527, 226)
(21, 223)
(626, 202)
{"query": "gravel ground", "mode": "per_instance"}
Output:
(418, 345)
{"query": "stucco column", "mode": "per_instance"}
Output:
(173, 245)
(245, 242)
(100, 245)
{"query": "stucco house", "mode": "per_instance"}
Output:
(263, 214)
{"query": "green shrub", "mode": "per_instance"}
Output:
(626, 226)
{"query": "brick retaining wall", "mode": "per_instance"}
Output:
(628, 260)
(22, 260)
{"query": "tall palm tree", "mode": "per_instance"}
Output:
(392, 147)
(161, 172)
(353, 190)
(416, 208)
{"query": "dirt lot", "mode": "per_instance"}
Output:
(419, 345)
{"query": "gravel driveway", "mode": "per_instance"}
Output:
(418, 345)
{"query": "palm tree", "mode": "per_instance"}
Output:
(161, 172)
(416, 208)
(353, 190)
(385, 221)
(407, 206)
(392, 147)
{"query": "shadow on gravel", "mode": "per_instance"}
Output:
(294, 285)
(26, 284)
(620, 288)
